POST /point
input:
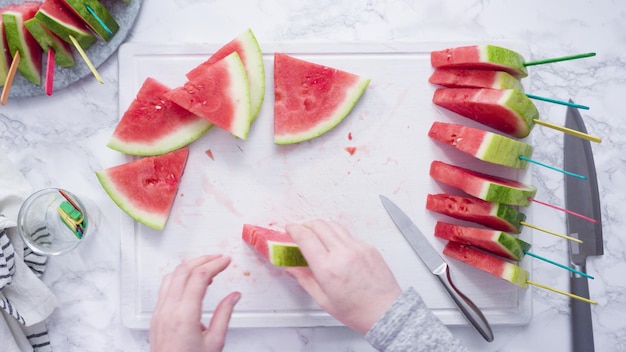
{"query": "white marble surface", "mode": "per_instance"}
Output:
(60, 141)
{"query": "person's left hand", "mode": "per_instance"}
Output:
(176, 323)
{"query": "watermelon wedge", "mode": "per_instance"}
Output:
(100, 21)
(506, 110)
(483, 145)
(48, 40)
(486, 262)
(61, 21)
(481, 57)
(466, 78)
(492, 215)
(250, 54)
(483, 186)
(154, 125)
(277, 247)
(5, 54)
(311, 99)
(146, 188)
(20, 39)
(220, 94)
(493, 241)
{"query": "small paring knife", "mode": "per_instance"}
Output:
(438, 267)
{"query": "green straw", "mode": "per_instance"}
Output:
(559, 265)
(557, 59)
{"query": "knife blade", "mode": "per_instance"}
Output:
(435, 263)
(582, 197)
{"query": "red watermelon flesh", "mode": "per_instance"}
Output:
(220, 94)
(19, 39)
(489, 263)
(311, 99)
(466, 78)
(481, 144)
(506, 110)
(481, 57)
(493, 241)
(5, 54)
(483, 186)
(277, 247)
(250, 54)
(492, 215)
(146, 188)
(61, 21)
(154, 125)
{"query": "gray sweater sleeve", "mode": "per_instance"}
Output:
(410, 326)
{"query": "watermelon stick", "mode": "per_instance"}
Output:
(9, 80)
(569, 131)
(561, 292)
(558, 59)
(49, 84)
(524, 223)
(552, 167)
(86, 59)
(566, 103)
(565, 210)
(93, 13)
(559, 265)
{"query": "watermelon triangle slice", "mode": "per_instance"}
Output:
(61, 21)
(311, 99)
(277, 247)
(48, 40)
(20, 39)
(250, 54)
(154, 125)
(220, 94)
(5, 54)
(146, 188)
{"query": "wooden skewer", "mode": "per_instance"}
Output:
(551, 232)
(561, 292)
(8, 82)
(569, 131)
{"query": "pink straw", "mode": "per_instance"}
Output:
(565, 210)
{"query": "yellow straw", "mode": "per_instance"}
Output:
(569, 131)
(551, 232)
(561, 292)
(8, 82)
(87, 61)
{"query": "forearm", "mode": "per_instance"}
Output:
(410, 326)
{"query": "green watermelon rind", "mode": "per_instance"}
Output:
(46, 39)
(519, 104)
(285, 254)
(13, 23)
(84, 38)
(504, 57)
(149, 219)
(492, 151)
(353, 95)
(256, 74)
(5, 62)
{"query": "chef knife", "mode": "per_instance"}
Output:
(581, 196)
(438, 267)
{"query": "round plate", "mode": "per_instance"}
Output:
(124, 13)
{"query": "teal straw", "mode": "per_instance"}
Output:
(553, 168)
(93, 13)
(559, 265)
(578, 106)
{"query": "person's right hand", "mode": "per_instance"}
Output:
(347, 277)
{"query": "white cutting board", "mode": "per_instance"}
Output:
(254, 181)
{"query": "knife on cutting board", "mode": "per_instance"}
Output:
(581, 196)
(438, 267)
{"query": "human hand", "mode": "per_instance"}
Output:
(347, 277)
(176, 323)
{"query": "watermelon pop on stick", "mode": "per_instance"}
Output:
(96, 16)
(20, 39)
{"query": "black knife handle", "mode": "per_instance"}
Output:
(582, 327)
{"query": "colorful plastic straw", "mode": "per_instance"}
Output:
(558, 59)
(8, 82)
(86, 59)
(49, 84)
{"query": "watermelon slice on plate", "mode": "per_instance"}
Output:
(250, 54)
(483, 186)
(48, 40)
(220, 94)
(482, 57)
(493, 241)
(102, 23)
(5, 54)
(311, 99)
(55, 15)
(146, 188)
(20, 39)
(506, 110)
(277, 247)
(488, 263)
(466, 78)
(481, 144)
(154, 125)
(492, 215)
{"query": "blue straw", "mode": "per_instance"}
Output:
(93, 13)
(559, 265)
(553, 168)
(567, 103)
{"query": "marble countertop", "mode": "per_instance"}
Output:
(59, 141)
